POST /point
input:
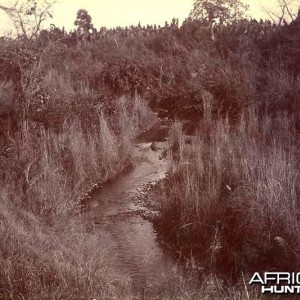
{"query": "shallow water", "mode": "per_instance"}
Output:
(134, 241)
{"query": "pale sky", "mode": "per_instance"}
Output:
(111, 13)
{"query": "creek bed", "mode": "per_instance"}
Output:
(134, 241)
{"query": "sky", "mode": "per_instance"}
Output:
(111, 13)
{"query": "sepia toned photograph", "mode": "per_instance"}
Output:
(149, 150)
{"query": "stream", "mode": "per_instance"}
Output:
(135, 243)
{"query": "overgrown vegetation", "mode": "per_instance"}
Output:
(70, 107)
(232, 197)
(58, 138)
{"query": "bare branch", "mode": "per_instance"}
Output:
(42, 17)
(274, 17)
(288, 10)
(284, 11)
(27, 18)
(22, 25)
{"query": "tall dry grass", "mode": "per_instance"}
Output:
(46, 250)
(232, 195)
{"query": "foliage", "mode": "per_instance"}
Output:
(224, 10)
(170, 68)
(83, 21)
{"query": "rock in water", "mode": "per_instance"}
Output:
(154, 146)
(163, 154)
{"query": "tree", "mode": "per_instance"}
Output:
(282, 11)
(83, 21)
(28, 15)
(224, 10)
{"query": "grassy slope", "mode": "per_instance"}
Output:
(45, 249)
